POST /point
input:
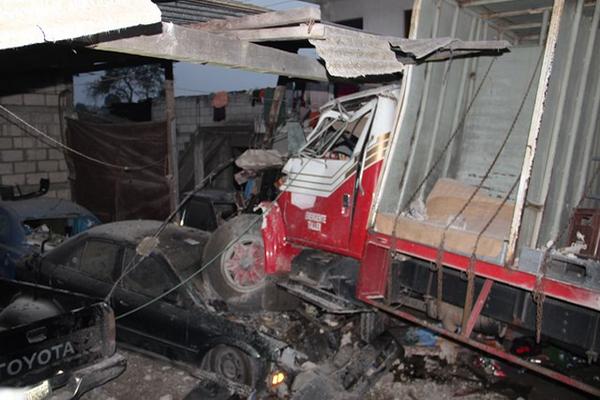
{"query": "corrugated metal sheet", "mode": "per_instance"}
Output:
(23, 23)
(349, 53)
(193, 11)
(444, 47)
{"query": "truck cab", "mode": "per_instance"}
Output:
(327, 196)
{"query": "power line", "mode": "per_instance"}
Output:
(219, 254)
(29, 129)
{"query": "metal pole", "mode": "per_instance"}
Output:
(534, 130)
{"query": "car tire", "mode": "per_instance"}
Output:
(233, 364)
(236, 272)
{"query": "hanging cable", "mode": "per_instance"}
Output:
(52, 142)
(146, 246)
(216, 257)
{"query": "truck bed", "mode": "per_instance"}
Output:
(46, 334)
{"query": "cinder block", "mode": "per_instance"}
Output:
(57, 177)
(25, 167)
(16, 100)
(64, 194)
(14, 130)
(6, 143)
(62, 166)
(28, 142)
(47, 166)
(34, 99)
(34, 179)
(52, 100)
(36, 154)
(6, 168)
(53, 130)
(11, 155)
(16, 179)
(42, 116)
(55, 155)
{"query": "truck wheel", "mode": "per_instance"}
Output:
(237, 275)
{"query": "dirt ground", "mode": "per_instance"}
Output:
(416, 378)
(146, 378)
(155, 379)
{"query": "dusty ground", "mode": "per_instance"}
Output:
(153, 379)
(145, 378)
(411, 379)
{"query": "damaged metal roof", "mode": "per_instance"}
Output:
(194, 11)
(350, 53)
(347, 52)
(24, 23)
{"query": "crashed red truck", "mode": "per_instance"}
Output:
(443, 198)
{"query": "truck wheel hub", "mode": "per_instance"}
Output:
(244, 264)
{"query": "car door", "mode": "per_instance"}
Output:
(161, 327)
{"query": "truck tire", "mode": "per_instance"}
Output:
(236, 274)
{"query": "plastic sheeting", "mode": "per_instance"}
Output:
(115, 194)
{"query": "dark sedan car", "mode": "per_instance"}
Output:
(179, 326)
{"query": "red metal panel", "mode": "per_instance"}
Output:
(483, 295)
(278, 252)
(373, 276)
(560, 290)
(486, 348)
(345, 229)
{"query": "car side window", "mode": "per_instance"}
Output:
(151, 277)
(98, 260)
(5, 227)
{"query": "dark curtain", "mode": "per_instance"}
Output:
(111, 193)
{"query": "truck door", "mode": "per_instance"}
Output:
(321, 187)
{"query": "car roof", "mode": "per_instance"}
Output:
(217, 195)
(182, 246)
(45, 208)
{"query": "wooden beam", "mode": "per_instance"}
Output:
(516, 13)
(171, 133)
(534, 129)
(473, 3)
(526, 11)
(195, 46)
(264, 20)
(530, 25)
(300, 32)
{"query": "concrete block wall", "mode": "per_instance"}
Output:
(194, 111)
(24, 159)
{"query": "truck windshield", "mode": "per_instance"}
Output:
(337, 133)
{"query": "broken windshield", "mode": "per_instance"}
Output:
(337, 133)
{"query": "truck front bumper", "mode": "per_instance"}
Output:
(87, 378)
